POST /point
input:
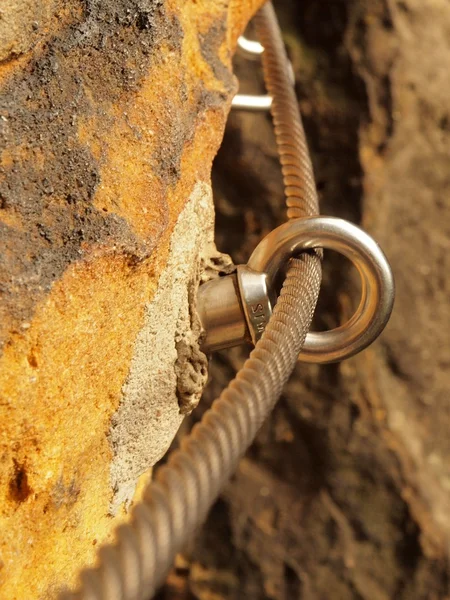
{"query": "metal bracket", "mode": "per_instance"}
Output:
(253, 50)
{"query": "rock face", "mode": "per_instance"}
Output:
(110, 115)
(345, 494)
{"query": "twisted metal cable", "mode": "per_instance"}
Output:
(183, 491)
(298, 177)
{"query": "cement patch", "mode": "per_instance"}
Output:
(149, 413)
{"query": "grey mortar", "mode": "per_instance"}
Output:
(156, 394)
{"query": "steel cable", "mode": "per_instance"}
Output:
(298, 177)
(179, 498)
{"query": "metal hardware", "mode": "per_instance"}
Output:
(377, 293)
(234, 309)
(253, 50)
(221, 315)
(256, 300)
(250, 302)
(261, 103)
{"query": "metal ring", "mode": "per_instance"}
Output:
(377, 297)
(252, 48)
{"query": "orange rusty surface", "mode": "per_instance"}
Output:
(67, 335)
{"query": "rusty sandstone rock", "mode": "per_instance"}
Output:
(110, 115)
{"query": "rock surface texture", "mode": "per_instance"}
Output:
(110, 115)
(345, 494)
